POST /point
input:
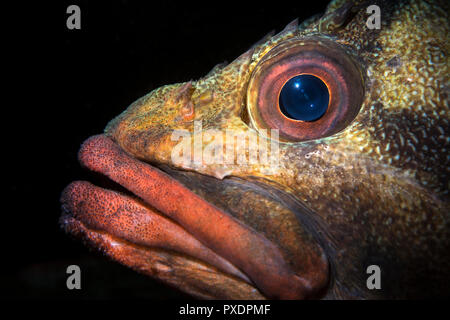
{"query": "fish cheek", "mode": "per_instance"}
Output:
(270, 212)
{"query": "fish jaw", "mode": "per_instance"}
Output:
(170, 218)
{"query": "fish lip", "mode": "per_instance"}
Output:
(114, 248)
(76, 225)
(258, 258)
(77, 228)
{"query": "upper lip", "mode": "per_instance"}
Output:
(213, 234)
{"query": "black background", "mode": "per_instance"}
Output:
(65, 85)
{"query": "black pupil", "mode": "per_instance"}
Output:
(304, 97)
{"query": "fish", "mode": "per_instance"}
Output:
(313, 166)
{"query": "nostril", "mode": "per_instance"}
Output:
(183, 96)
(184, 93)
(187, 111)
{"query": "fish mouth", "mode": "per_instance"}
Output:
(162, 228)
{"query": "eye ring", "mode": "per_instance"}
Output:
(315, 56)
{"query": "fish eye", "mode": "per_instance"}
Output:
(304, 97)
(306, 88)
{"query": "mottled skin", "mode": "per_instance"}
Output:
(374, 193)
